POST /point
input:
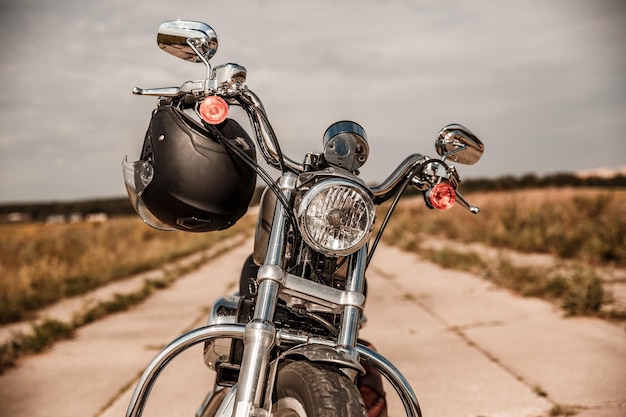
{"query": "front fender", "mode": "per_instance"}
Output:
(315, 352)
(321, 352)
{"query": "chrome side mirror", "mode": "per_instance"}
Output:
(459, 144)
(188, 40)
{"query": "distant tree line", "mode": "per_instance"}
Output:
(121, 206)
(42, 211)
(509, 182)
(526, 181)
(110, 206)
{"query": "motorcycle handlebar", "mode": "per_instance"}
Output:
(381, 193)
(161, 92)
(406, 171)
(268, 143)
(266, 138)
(392, 184)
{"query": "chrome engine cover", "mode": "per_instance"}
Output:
(224, 311)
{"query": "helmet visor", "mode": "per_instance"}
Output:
(137, 176)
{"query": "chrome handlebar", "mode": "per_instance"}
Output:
(266, 138)
(239, 93)
(392, 184)
(160, 92)
(197, 88)
(407, 171)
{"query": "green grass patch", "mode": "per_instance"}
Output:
(582, 226)
(584, 293)
(43, 335)
(464, 261)
(579, 291)
(562, 411)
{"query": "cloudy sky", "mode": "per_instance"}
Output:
(541, 82)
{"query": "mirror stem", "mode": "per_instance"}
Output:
(453, 152)
(204, 60)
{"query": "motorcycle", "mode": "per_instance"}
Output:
(287, 343)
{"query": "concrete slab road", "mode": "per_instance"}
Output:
(86, 375)
(470, 349)
(467, 348)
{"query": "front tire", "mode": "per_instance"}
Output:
(305, 389)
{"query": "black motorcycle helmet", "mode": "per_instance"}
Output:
(186, 178)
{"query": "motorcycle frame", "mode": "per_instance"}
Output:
(260, 335)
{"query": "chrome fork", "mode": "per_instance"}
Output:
(260, 334)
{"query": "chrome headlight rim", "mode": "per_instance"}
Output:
(315, 191)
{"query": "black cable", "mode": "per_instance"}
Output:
(272, 136)
(259, 119)
(408, 179)
(260, 171)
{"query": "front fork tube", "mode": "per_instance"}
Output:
(259, 338)
(352, 314)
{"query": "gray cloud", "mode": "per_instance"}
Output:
(541, 82)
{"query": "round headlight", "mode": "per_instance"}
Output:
(336, 217)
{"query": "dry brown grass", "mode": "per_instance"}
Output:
(40, 264)
(588, 225)
(584, 226)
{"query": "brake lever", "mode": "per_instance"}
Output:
(463, 202)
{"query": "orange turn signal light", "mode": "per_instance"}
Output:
(214, 110)
(442, 196)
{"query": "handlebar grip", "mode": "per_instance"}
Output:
(161, 92)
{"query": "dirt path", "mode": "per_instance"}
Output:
(467, 348)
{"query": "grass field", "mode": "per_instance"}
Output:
(587, 225)
(40, 264)
(583, 227)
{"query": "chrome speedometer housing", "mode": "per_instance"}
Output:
(335, 217)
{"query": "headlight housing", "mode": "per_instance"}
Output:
(336, 217)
